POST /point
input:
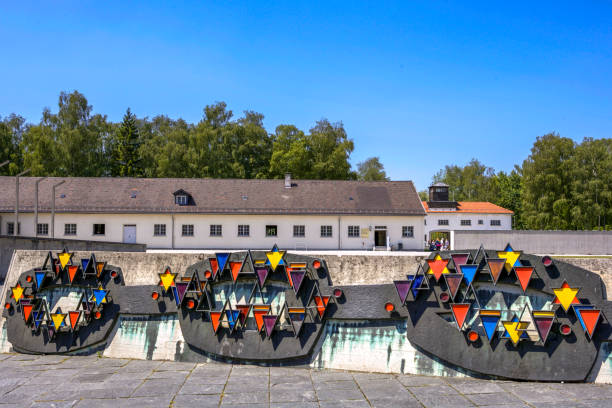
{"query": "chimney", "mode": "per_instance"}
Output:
(287, 180)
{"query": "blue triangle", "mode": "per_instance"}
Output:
(37, 320)
(99, 294)
(84, 263)
(508, 248)
(232, 317)
(40, 277)
(176, 296)
(222, 258)
(416, 284)
(469, 272)
(490, 325)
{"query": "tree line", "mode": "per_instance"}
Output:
(561, 185)
(77, 142)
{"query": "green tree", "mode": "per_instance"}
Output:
(371, 170)
(473, 182)
(547, 183)
(126, 150)
(509, 194)
(12, 129)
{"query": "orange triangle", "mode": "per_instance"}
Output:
(27, 311)
(437, 266)
(523, 273)
(74, 318)
(460, 311)
(321, 302)
(495, 267)
(288, 271)
(566, 286)
(72, 270)
(590, 317)
(215, 318)
(99, 268)
(259, 314)
(235, 268)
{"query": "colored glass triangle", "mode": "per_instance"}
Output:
(543, 324)
(100, 268)
(460, 259)
(460, 312)
(437, 266)
(215, 318)
(453, 281)
(524, 273)
(321, 302)
(512, 330)
(99, 296)
(58, 320)
(588, 319)
(511, 258)
(17, 292)
(269, 323)
(73, 317)
(262, 274)
(258, 313)
(222, 258)
(72, 270)
(235, 268)
(232, 317)
(40, 277)
(469, 272)
(490, 321)
(566, 296)
(496, 266)
(403, 288)
(416, 284)
(84, 264)
(297, 277)
(27, 311)
(64, 258)
(275, 258)
(297, 319)
(167, 279)
(181, 288)
(214, 265)
(243, 312)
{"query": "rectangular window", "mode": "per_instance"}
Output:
(159, 230)
(181, 199)
(42, 229)
(70, 229)
(442, 222)
(244, 230)
(480, 222)
(495, 223)
(187, 230)
(466, 223)
(353, 231)
(99, 229)
(216, 230)
(10, 228)
(407, 231)
(326, 231)
(299, 231)
(271, 230)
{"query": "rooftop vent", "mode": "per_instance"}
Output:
(287, 180)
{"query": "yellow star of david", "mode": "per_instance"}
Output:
(64, 258)
(167, 279)
(275, 258)
(511, 256)
(17, 292)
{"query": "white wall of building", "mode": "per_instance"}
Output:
(114, 225)
(454, 222)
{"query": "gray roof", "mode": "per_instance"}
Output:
(214, 196)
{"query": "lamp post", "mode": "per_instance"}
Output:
(36, 208)
(53, 208)
(16, 227)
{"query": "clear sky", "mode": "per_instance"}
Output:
(420, 84)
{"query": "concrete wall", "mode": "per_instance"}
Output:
(8, 244)
(257, 239)
(539, 242)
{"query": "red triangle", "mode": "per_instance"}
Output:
(565, 286)
(288, 271)
(259, 314)
(321, 302)
(244, 311)
(590, 317)
(74, 318)
(437, 267)
(72, 270)
(460, 311)
(27, 311)
(235, 268)
(214, 266)
(523, 273)
(215, 318)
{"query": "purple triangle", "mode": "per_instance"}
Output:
(181, 288)
(297, 277)
(459, 259)
(262, 274)
(269, 323)
(403, 288)
(543, 324)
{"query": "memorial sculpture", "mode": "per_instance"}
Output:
(497, 313)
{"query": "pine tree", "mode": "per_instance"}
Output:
(128, 145)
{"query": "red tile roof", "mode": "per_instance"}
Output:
(477, 207)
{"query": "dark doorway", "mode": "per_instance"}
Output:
(380, 238)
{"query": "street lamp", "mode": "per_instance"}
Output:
(16, 227)
(36, 208)
(53, 208)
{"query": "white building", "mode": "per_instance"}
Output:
(445, 216)
(219, 213)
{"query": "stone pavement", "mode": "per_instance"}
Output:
(60, 381)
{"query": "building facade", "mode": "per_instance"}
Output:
(219, 214)
(445, 216)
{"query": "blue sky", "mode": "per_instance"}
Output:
(420, 84)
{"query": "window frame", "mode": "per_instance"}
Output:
(324, 229)
(215, 230)
(465, 223)
(244, 230)
(186, 228)
(443, 222)
(353, 231)
(68, 229)
(299, 231)
(181, 199)
(41, 227)
(269, 228)
(480, 222)
(159, 230)
(11, 225)
(407, 231)
(103, 233)
(495, 223)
